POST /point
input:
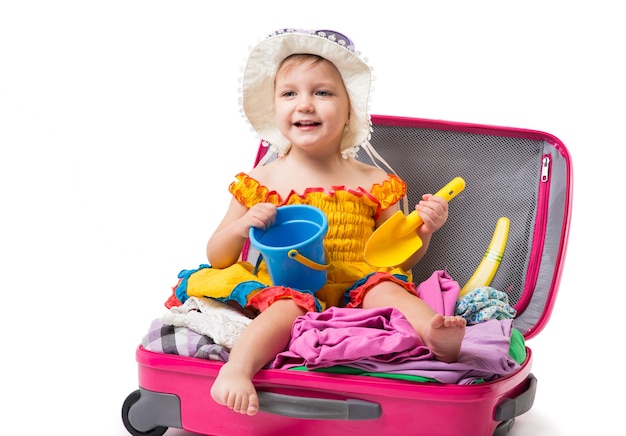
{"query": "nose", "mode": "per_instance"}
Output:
(305, 104)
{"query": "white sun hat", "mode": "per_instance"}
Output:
(260, 72)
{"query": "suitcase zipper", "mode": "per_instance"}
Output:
(539, 233)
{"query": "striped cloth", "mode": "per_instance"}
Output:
(169, 339)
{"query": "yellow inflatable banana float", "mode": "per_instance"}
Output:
(492, 258)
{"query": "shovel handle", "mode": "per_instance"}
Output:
(448, 192)
(453, 187)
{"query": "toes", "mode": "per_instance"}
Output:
(438, 321)
(241, 405)
(253, 408)
(454, 321)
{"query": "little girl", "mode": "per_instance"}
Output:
(306, 95)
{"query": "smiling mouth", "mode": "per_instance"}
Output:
(306, 124)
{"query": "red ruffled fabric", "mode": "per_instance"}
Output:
(248, 191)
(358, 294)
(267, 296)
(173, 301)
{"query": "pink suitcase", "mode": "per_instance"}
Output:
(522, 174)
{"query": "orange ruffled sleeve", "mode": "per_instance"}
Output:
(249, 192)
(389, 192)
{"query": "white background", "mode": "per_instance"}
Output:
(120, 131)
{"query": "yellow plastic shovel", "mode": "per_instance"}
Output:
(396, 239)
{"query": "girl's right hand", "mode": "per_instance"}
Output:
(261, 216)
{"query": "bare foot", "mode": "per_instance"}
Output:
(233, 388)
(444, 336)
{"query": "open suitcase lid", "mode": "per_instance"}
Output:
(523, 175)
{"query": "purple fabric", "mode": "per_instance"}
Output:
(382, 340)
(440, 291)
(484, 355)
(340, 336)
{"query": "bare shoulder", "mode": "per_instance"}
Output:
(369, 174)
(262, 172)
(275, 176)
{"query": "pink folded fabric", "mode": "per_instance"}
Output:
(340, 335)
(440, 291)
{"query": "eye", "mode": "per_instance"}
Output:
(323, 93)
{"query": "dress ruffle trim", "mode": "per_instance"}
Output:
(248, 191)
(247, 294)
(266, 297)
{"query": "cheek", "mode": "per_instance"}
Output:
(282, 115)
(279, 111)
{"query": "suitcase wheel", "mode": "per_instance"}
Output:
(128, 403)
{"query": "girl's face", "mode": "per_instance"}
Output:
(312, 105)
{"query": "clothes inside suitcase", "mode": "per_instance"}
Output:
(519, 174)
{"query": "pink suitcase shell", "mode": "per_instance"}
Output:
(522, 174)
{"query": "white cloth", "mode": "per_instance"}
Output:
(209, 317)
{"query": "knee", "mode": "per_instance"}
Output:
(289, 305)
(383, 294)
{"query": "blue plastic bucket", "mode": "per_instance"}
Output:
(293, 247)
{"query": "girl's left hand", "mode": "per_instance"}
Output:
(433, 211)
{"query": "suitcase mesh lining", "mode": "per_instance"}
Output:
(501, 175)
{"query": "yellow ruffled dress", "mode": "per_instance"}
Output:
(351, 219)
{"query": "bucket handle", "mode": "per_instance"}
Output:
(293, 254)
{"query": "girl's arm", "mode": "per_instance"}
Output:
(225, 245)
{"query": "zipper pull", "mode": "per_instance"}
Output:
(545, 168)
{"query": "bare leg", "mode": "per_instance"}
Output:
(266, 336)
(442, 334)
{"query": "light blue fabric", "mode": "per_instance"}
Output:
(483, 304)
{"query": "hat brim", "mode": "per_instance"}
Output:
(260, 71)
